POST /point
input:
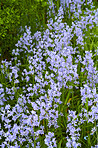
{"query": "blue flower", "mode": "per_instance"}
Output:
(85, 137)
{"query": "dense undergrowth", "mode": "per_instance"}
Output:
(49, 89)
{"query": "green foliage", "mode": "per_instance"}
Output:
(95, 3)
(16, 13)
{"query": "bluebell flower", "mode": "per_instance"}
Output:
(85, 137)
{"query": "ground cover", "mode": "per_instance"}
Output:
(49, 89)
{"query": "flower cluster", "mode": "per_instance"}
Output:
(34, 84)
(49, 141)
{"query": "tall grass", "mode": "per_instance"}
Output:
(49, 89)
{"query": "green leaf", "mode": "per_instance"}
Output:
(59, 145)
(1, 21)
